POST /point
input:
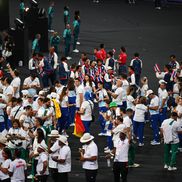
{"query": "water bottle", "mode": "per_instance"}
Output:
(108, 162)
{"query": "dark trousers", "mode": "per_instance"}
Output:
(90, 175)
(54, 174)
(63, 177)
(67, 48)
(75, 40)
(42, 178)
(120, 168)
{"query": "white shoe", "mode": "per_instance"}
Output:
(141, 144)
(101, 134)
(51, 31)
(172, 168)
(72, 124)
(68, 58)
(106, 148)
(75, 50)
(166, 166)
(134, 165)
(78, 43)
(30, 176)
(155, 143)
(107, 151)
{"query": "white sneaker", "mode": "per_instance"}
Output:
(68, 58)
(101, 134)
(107, 151)
(141, 144)
(106, 148)
(172, 168)
(72, 124)
(155, 143)
(75, 50)
(30, 176)
(51, 31)
(166, 166)
(135, 165)
(78, 43)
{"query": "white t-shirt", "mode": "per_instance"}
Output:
(116, 132)
(79, 90)
(65, 154)
(153, 103)
(119, 99)
(18, 167)
(102, 94)
(6, 165)
(91, 150)
(59, 89)
(122, 148)
(87, 116)
(144, 89)
(175, 128)
(127, 121)
(55, 152)
(140, 110)
(8, 91)
(16, 82)
(16, 112)
(64, 102)
(162, 95)
(130, 102)
(29, 82)
(43, 157)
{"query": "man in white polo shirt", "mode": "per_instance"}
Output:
(170, 129)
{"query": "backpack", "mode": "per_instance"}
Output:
(167, 133)
(137, 66)
(63, 75)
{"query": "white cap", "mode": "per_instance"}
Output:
(41, 92)
(162, 82)
(149, 92)
(54, 133)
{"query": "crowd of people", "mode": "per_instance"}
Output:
(37, 112)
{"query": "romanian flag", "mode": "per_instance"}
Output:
(79, 128)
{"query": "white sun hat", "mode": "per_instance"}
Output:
(86, 138)
(63, 139)
(54, 133)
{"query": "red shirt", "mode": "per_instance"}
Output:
(103, 54)
(122, 58)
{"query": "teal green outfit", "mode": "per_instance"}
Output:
(67, 40)
(50, 17)
(35, 46)
(54, 42)
(76, 31)
(66, 17)
(22, 10)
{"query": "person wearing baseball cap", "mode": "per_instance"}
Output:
(154, 115)
(63, 159)
(89, 157)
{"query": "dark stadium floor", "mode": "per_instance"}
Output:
(155, 35)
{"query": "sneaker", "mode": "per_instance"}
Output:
(155, 143)
(172, 168)
(68, 58)
(166, 166)
(30, 176)
(134, 165)
(101, 134)
(72, 124)
(106, 148)
(141, 144)
(158, 8)
(51, 31)
(180, 149)
(75, 50)
(78, 43)
(107, 151)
